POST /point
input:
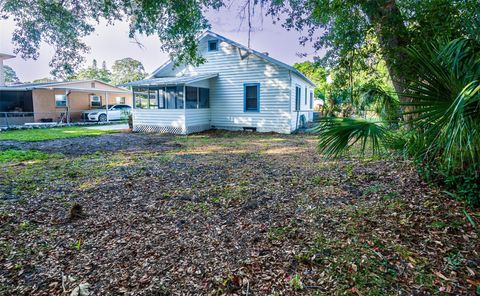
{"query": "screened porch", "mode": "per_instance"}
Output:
(179, 105)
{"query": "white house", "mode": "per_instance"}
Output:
(237, 88)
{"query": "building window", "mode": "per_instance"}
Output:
(298, 94)
(61, 101)
(92, 84)
(212, 45)
(95, 101)
(120, 100)
(311, 100)
(306, 94)
(197, 97)
(252, 97)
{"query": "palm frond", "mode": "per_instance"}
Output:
(337, 135)
(445, 102)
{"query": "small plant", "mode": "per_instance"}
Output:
(25, 225)
(279, 233)
(77, 245)
(321, 180)
(296, 282)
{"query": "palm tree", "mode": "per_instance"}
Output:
(443, 127)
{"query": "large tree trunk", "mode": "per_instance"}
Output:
(392, 36)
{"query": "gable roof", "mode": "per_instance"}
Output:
(28, 86)
(249, 50)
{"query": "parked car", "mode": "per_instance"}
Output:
(115, 112)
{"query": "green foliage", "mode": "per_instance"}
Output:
(317, 74)
(127, 70)
(64, 24)
(12, 155)
(43, 134)
(93, 72)
(296, 282)
(10, 74)
(445, 101)
(443, 126)
(336, 135)
(384, 103)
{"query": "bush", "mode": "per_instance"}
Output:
(443, 133)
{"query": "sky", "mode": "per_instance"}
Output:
(110, 43)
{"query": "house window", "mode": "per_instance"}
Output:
(311, 100)
(95, 101)
(298, 94)
(252, 97)
(92, 84)
(306, 94)
(197, 97)
(120, 100)
(60, 101)
(212, 45)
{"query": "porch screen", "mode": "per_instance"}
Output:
(197, 97)
(141, 98)
(157, 97)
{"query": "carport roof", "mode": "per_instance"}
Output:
(172, 80)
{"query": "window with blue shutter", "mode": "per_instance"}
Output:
(311, 100)
(251, 93)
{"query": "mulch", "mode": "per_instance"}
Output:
(235, 214)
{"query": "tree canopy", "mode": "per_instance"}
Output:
(94, 72)
(365, 30)
(127, 70)
(362, 30)
(10, 74)
(317, 74)
(63, 24)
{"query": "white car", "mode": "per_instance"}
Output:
(115, 112)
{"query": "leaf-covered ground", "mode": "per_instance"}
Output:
(230, 213)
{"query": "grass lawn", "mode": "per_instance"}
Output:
(42, 134)
(226, 213)
(14, 155)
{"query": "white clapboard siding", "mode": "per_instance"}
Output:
(227, 90)
(197, 120)
(304, 108)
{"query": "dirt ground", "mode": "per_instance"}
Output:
(117, 142)
(228, 213)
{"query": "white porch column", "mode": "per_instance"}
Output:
(67, 105)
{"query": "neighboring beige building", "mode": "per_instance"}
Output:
(50, 101)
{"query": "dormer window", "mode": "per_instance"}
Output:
(212, 45)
